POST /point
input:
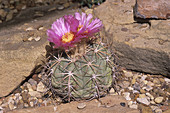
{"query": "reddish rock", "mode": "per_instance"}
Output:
(158, 9)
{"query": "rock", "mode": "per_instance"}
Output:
(20, 58)
(145, 109)
(32, 81)
(81, 106)
(91, 107)
(35, 94)
(138, 47)
(142, 95)
(60, 7)
(167, 80)
(41, 87)
(52, 9)
(159, 99)
(37, 38)
(152, 9)
(143, 101)
(30, 29)
(9, 16)
(149, 95)
(142, 91)
(133, 106)
(3, 13)
(156, 81)
(158, 111)
(127, 95)
(25, 96)
(29, 87)
(124, 84)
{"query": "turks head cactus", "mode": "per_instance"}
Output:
(83, 67)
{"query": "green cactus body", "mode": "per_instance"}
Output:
(86, 77)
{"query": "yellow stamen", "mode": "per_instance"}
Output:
(80, 26)
(67, 37)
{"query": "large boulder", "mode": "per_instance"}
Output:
(21, 47)
(141, 46)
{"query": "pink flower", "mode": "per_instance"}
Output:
(67, 31)
(86, 27)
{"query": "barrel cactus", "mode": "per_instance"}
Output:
(82, 68)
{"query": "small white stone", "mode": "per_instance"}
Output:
(149, 95)
(37, 38)
(81, 105)
(134, 106)
(145, 81)
(143, 101)
(60, 7)
(35, 94)
(130, 103)
(55, 108)
(130, 88)
(32, 104)
(112, 91)
(152, 102)
(144, 77)
(154, 108)
(29, 29)
(41, 87)
(127, 95)
(167, 80)
(127, 73)
(29, 87)
(142, 96)
(159, 99)
(135, 91)
(158, 111)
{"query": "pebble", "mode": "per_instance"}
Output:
(127, 73)
(52, 9)
(9, 16)
(134, 106)
(149, 95)
(142, 91)
(162, 80)
(127, 95)
(167, 80)
(142, 96)
(81, 105)
(37, 38)
(124, 84)
(159, 99)
(150, 83)
(156, 81)
(41, 87)
(29, 87)
(29, 29)
(30, 38)
(11, 106)
(31, 104)
(26, 105)
(112, 91)
(55, 108)
(60, 7)
(143, 101)
(158, 111)
(35, 94)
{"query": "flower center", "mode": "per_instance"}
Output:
(67, 37)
